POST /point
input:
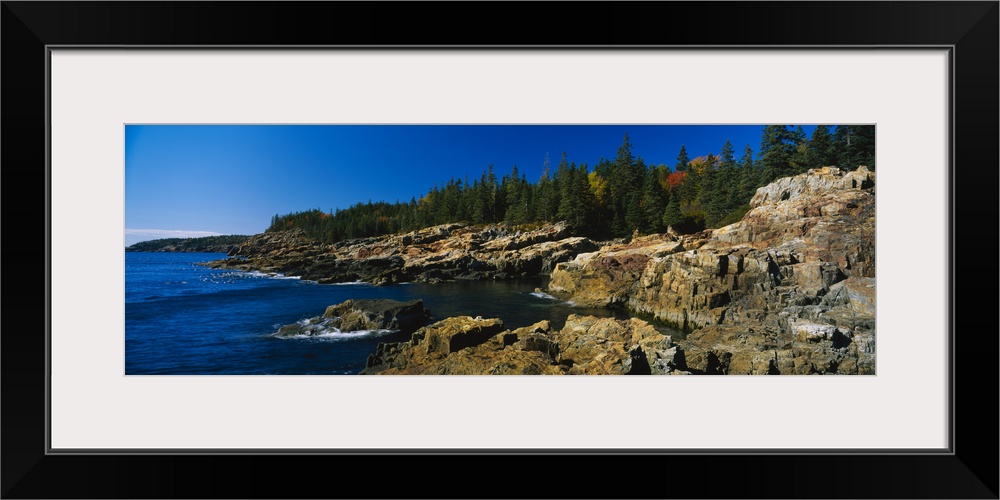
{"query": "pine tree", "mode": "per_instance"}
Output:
(855, 146)
(730, 179)
(547, 197)
(682, 160)
(515, 199)
(634, 216)
(748, 175)
(567, 194)
(821, 152)
(653, 202)
(576, 201)
(775, 155)
(672, 213)
(799, 161)
(492, 193)
(624, 180)
(561, 178)
(480, 208)
(864, 145)
(589, 219)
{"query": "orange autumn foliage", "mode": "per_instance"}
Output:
(675, 179)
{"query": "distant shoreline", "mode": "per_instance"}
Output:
(204, 244)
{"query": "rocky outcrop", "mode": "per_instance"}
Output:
(361, 315)
(802, 349)
(585, 346)
(440, 253)
(801, 260)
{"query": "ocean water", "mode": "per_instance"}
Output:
(182, 318)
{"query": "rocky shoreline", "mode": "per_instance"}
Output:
(432, 255)
(789, 289)
(475, 346)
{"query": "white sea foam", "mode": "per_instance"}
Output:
(277, 276)
(359, 282)
(542, 295)
(334, 334)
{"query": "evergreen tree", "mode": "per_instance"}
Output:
(728, 160)
(730, 177)
(708, 185)
(625, 178)
(672, 213)
(748, 175)
(576, 201)
(562, 177)
(682, 160)
(588, 218)
(821, 152)
(855, 145)
(653, 202)
(712, 195)
(568, 195)
(799, 161)
(492, 193)
(480, 209)
(776, 148)
(547, 196)
(635, 218)
(518, 198)
(625, 156)
(867, 144)
(689, 189)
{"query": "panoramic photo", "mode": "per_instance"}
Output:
(500, 249)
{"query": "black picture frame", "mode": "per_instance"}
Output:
(971, 28)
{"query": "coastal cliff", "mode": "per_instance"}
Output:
(788, 289)
(440, 253)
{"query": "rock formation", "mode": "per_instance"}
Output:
(357, 315)
(788, 289)
(475, 346)
(440, 253)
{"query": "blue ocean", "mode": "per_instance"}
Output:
(185, 319)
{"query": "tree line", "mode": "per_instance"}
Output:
(199, 244)
(614, 199)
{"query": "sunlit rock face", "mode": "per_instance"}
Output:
(586, 345)
(440, 253)
(804, 254)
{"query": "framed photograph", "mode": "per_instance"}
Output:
(140, 118)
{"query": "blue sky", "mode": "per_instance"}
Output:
(198, 180)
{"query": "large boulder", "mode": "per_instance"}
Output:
(605, 346)
(361, 315)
